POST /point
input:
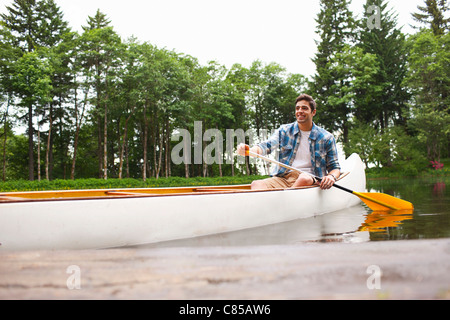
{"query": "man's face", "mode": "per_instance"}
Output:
(303, 112)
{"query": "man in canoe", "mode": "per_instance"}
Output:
(302, 145)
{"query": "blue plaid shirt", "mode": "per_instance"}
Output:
(324, 156)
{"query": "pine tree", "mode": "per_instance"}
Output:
(387, 43)
(99, 21)
(429, 80)
(101, 48)
(52, 24)
(34, 25)
(433, 14)
(22, 21)
(336, 29)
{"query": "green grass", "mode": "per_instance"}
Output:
(80, 184)
(399, 172)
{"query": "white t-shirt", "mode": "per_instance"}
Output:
(302, 159)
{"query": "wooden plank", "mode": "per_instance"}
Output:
(122, 193)
(76, 195)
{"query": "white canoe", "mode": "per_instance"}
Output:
(95, 219)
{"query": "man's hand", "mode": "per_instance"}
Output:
(242, 147)
(329, 180)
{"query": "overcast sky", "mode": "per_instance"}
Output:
(228, 31)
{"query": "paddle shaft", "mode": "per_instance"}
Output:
(358, 194)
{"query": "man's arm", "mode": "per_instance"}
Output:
(335, 174)
(333, 167)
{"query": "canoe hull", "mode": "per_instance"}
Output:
(106, 223)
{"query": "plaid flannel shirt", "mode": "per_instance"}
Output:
(324, 155)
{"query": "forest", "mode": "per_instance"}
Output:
(78, 105)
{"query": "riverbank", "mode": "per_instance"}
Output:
(373, 270)
(171, 182)
(84, 184)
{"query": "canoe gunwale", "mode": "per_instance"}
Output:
(21, 197)
(114, 195)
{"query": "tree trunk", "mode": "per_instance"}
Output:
(127, 160)
(75, 150)
(345, 131)
(49, 138)
(5, 140)
(39, 152)
(78, 121)
(144, 165)
(124, 142)
(30, 144)
(247, 165)
(105, 143)
(167, 150)
(122, 150)
(186, 164)
(232, 167)
(99, 148)
(157, 156)
(122, 147)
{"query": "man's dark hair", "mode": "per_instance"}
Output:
(308, 98)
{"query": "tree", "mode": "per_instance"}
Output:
(357, 86)
(99, 21)
(54, 31)
(387, 43)
(34, 25)
(429, 78)
(433, 14)
(361, 141)
(216, 111)
(32, 84)
(102, 48)
(72, 86)
(5, 131)
(22, 20)
(265, 93)
(8, 56)
(365, 88)
(238, 88)
(129, 95)
(336, 28)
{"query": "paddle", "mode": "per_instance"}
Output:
(375, 201)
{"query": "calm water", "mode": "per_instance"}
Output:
(430, 220)
(431, 199)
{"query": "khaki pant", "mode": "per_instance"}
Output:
(284, 182)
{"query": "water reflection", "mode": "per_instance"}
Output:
(379, 221)
(351, 225)
(439, 189)
(431, 199)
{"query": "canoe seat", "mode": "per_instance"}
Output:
(126, 193)
(343, 175)
(219, 190)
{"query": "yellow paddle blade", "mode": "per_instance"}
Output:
(383, 202)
